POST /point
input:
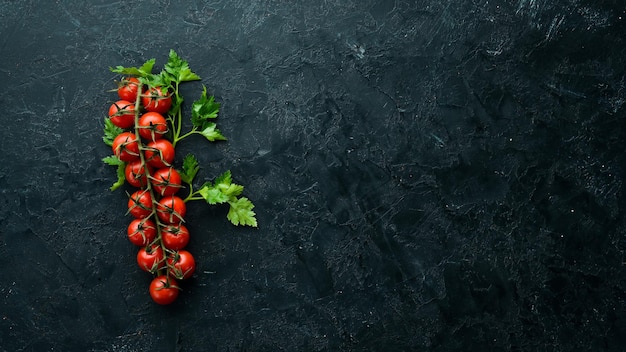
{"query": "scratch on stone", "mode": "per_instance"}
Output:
(554, 26)
(309, 188)
(359, 50)
(531, 5)
(57, 73)
(440, 142)
(73, 19)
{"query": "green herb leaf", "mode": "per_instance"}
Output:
(110, 132)
(240, 212)
(224, 179)
(179, 69)
(232, 190)
(112, 160)
(203, 109)
(212, 133)
(120, 178)
(190, 168)
(146, 68)
(212, 195)
(221, 191)
(121, 166)
(157, 80)
(143, 71)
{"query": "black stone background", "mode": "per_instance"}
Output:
(428, 176)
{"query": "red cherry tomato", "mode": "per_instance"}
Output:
(166, 181)
(181, 264)
(125, 146)
(157, 99)
(160, 153)
(175, 237)
(141, 232)
(151, 258)
(122, 114)
(136, 175)
(163, 290)
(140, 204)
(128, 88)
(171, 210)
(152, 126)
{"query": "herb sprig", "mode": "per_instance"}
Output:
(204, 112)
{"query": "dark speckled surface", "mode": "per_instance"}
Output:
(428, 175)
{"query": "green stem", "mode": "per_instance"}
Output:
(193, 130)
(180, 111)
(193, 195)
(179, 117)
(144, 164)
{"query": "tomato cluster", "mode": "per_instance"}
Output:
(158, 213)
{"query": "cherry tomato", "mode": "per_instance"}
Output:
(175, 237)
(151, 258)
(140, 204)
(181, 264)
(125, 146)
(171, 210)
(136, 173)
(122, 114)
(166, 181)
(160, 153)
(157, 99)
(152, 126)
(141, 232)
(128, 88)
(163, 290)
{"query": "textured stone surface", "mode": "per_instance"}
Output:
(428, 175)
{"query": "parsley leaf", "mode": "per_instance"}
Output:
(216, 193)
(212, 133)
(179, 69)
(144, 71)
(212, 195)
(203, 109)
(224, 191)
(121, 166)
(224, 179)
(240, 212)
(112, 160)
(110, 132)
(190, 168)
(224, 183)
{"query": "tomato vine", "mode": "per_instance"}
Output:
(143, 129)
